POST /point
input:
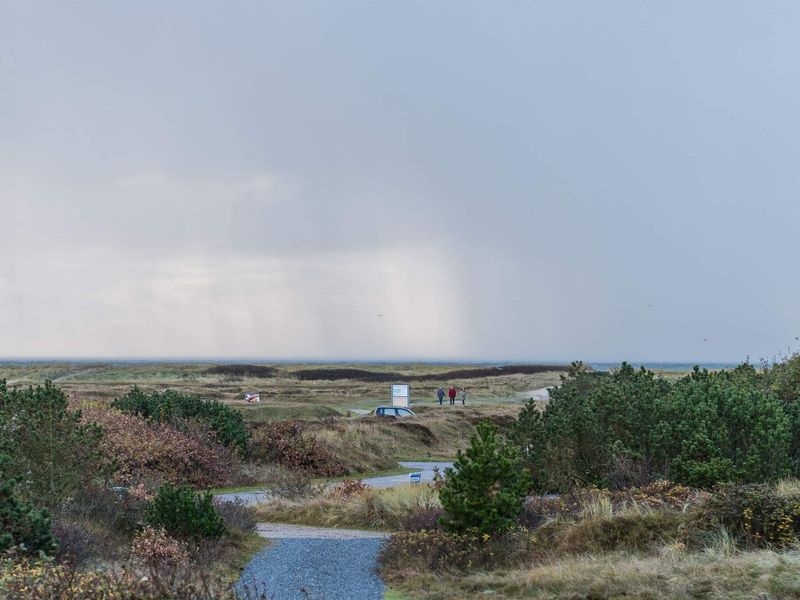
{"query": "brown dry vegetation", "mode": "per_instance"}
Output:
(386, 509)
(144, 451)
(654, 542)
(671, 574)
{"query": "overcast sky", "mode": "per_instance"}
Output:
(386, 180)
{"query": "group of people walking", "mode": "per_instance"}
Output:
(452, 393)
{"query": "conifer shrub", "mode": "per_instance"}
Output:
(184, 513)
(722, 427)
(49, 446)
(630, 428)
(486, 489)
(22, 526)
(174, 408)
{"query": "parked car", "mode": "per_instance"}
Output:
(394, 411)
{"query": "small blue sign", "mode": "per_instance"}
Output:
(415, 477)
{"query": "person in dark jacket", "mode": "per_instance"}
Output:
(451, 393)
(440, 395)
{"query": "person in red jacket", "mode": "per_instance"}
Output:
(451, 393)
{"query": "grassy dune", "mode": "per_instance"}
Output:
(383, 509)
(284, 394)
(717, 574)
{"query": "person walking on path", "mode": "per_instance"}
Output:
(440, 395)
(463, 396)
(451, 393)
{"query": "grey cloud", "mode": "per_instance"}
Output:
(522, 178)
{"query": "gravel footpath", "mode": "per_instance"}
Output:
(310, 563)
(313, 563)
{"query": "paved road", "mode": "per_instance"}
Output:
(248, 498)
(310, 563)
(426, 468)
(538, 394)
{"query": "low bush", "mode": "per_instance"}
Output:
(349, 487)
(156, 550)
(287, 443)
(660, 494)
(631, 531)
(119, 512)
(756, 515)
(184, 513)
(174, 408)
(237, 515)
(531, 516)
(144, 450)
(439, 550)
(242, 370)
(77, 545)
(45, 580)
(422, 519)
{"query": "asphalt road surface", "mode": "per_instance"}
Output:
(426, 468)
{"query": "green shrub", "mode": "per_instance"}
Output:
(174, 407)
(783, 380)
(754, 514)
(486, 488)
(630, 427)
(593, 423)
(722, 427)
(21, 525)
(184, 513)
(48, 446)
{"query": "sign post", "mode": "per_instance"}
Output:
(400, 395)
(415, 477)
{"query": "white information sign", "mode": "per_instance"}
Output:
(400, 395)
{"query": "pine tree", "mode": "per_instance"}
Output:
(47, 444)
(21, 525)
(486, 488)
